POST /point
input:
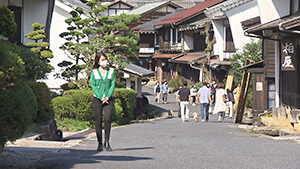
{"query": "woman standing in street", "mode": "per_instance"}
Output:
(103, 85)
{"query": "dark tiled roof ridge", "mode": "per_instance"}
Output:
(200, 7)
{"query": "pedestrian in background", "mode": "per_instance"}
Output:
(165, 91)
(220, 105)
(157, 91)
(103, 85)
(204, 96)
(230, 102)
(178, 101)
(185, 97)
(193, 95)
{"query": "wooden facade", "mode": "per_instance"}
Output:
(290, 71)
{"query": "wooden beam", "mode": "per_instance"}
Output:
(229, 80)
(243, 95)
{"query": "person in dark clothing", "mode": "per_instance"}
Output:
(230, 102)
(184, 95)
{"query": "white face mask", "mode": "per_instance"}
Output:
(103, 63)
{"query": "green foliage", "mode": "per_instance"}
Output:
(77, 105)
(198, 85)
(119, 85)
(31, 62)
(18, 109)
(74, 38)
(8, 26)
(74, 104)
(69, 86)
(41, 49)
(109, 33)
(124, 106)
(251, 51)
(42, 94)
(11, 65)
(69, 124)
(175, 83)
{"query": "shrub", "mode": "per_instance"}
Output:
(124, 106)
(69, 86)
(175, 83)
(42, 94)
(63, 107)
(77, 104)
(11, 65)
(18, 109)
(8, 26)
(31, 62)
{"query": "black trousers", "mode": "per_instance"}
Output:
(98, 108)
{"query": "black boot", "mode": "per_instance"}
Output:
(107, 146)
(100, 147)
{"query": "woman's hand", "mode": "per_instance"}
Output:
(104, 100)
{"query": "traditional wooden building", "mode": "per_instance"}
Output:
(151, 11)
(148, 41)
(180, 34)
(117, 7)
(281, 41)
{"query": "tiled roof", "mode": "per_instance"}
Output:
(76, 3)
(189, 57)
(117, 1)
(286, 22)
(194, 25)
(184, 3)
(164, 56)
(227, 5)
(137, 70)
(189, 12)
(152, 6)
(148, 26)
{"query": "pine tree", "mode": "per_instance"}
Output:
(41, 48)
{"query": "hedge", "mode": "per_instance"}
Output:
(18, 110)
(42, 94)
(77, 104)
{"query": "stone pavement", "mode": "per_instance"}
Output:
(166, 143)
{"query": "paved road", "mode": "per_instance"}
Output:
(169, 143)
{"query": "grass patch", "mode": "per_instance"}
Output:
(67, 124)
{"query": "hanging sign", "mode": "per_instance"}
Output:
(288, 54)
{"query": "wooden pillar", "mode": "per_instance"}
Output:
(176, 35)
(243, 95)
(139, 98)
(177, 70)
(171, 36)
(159, 70)
(138, 87)
(127, 77)
(277, 74)
(229, 80)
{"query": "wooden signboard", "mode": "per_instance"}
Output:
(288, 54)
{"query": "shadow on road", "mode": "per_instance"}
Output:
(139, 148)
(71, 157)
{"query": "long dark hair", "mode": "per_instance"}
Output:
(97, 58)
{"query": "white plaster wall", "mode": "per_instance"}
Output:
(188, 42)
(58, 25)
(236, 16)
(219, 35)
(34, 11)
(273, 9)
